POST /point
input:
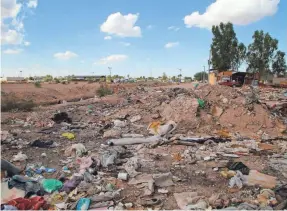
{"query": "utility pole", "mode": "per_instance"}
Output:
(110, 69)
(203, 74)
(179, 74)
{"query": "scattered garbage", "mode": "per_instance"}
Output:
(77, 149)
(224, 143)
(156, 128)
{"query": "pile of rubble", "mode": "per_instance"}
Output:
(207, 147)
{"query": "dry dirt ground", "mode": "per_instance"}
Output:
(225, 115)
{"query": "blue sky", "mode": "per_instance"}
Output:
(65, 37)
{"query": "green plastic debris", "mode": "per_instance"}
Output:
(201, 103)
(51, 185)
(195, 86)
(90, 106)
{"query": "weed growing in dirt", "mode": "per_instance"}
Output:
(37, 84)
(103, 90)
(10, 103)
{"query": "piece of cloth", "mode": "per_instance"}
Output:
(238, 166)
(34, 203)
(238, 180)
(42, 144)
(71, 184)
(25, 183)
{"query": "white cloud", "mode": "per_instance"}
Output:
(65, 56)
(32, 3)
(13, 51)
(239, 12)
(107, 38)
(9, 8)
(173, 28)
(171, 44)
(127, 44)
(27, 43)
(13, 13)
(122, 25)
(112, 58)
(11, 37)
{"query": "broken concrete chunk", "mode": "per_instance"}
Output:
(113, 133)
(216, 111)
(119, 123)
(263, 180)
(20, 157)
(163, 180)
(131, 166)
(142, 178)
(136, 118)
(184, 198)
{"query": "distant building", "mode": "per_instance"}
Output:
(88, 77)
(12, 79)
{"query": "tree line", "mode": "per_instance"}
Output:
(261, 56)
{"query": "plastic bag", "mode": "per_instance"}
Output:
(51, 185)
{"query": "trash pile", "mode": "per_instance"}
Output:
(208, 147)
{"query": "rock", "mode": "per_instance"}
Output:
(216, 111)
(19, 157)
(184, 198)
(162, 191)
(225, 100)
(43, 155)
(119, 123)
(135, 118)
(207, 158)
(262, 180)
(155, 116)
(113, 133)
(128, 205)
(202, 147)
(163, 180)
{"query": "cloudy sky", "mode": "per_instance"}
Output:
(65, 37)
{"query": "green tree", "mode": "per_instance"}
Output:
(48, 78)
(31, 78)
(200, 75)
(261, 53)
(173, 78)
(187, 79)
(164, 77)
(225, 50)
(279, 64)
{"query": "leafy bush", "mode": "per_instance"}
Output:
(103, 90)
(38, 84)
(63, 82)
(56, 80)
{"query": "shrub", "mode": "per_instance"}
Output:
(103, 90)
(56, 80)
(10, 103)
(38, 84)
(63, 82)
